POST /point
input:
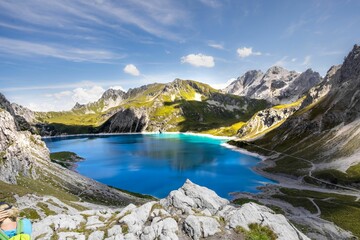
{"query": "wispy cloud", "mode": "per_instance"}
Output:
(25, 48)
(216, 45)
(153, 17)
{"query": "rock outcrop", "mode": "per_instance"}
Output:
(111, 98)
(20, 151)
(325, 130)
(181, 105)
(191, 212)
(277, 85)
(24, 155)
(267, 120)
(127, 120)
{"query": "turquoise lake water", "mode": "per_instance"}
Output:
(156, 164)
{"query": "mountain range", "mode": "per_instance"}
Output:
(306, 126)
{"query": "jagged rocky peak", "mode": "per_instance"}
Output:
(78, 106)
(238, 86)
(5, 105)
(277, 84)
(24, 112)
(20, 151)
(351, 67)
(113, 94)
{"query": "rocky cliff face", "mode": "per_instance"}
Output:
(267, 120)
(21, 121)
(277, 85)
(20, 152)
(25, 156)
(325, 129)
(191, 212)
(127, 121)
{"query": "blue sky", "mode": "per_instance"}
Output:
(54, 53)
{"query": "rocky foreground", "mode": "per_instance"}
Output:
(191, 212)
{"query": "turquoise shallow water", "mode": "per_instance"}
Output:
(156, 164)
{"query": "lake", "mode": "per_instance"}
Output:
(156, 164)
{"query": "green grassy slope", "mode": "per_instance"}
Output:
(182, 105)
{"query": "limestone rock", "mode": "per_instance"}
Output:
(98, 235)
(191, 196)
(162, 229)
(136, 219)
(277, 85)
(115, 230)
(201, 227)
(127, 120)
(20, 151)
(254, 213)
(93, 222)
(70, 235)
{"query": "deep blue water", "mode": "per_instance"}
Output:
(156, 164)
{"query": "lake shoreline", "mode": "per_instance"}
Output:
(223, 160)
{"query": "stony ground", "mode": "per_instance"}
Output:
(191, 212)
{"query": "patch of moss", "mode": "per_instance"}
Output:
(257, 232)
(2, 156)
(45, 209)
(30, 214)
(124, 228)
(241, 201)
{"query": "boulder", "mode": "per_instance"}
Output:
(136, 219)
(97, 235)
(161, 229)
(194, 197)
(201, 226)
(254, 213)
(70, 235)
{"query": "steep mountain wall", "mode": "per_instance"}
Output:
(325, 129)
(277, 85)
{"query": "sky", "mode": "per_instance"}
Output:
(54, 53)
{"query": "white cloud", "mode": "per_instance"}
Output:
(65, 100)
(25, 48)
(216, 45)
(307, 60)
(86, 95)
(293, 59)
(222, 85)
(246, 52)
(132, 70)
(117, 88)
(199, 60)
